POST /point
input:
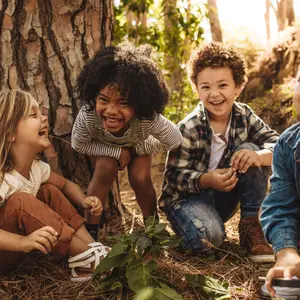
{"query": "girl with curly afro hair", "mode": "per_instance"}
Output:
(120, 123)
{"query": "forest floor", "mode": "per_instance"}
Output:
(48, 278)
(41, 277)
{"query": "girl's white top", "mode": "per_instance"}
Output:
(14, 182)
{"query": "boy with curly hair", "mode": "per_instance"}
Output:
(224, 159)
(120, 123)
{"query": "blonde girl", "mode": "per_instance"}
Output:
(35, 213)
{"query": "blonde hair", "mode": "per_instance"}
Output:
(14, 105)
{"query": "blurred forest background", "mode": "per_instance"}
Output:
(44, 45)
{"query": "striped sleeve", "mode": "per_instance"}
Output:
(164, 136)
(84, 139)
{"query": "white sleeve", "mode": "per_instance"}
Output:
(164, 136)
(45, 171)
(4, 188)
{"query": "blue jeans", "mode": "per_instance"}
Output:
(202, 216)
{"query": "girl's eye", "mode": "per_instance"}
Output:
(33, 115)
(204, 87)
(123, 103)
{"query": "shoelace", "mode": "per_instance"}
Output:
(254, 233)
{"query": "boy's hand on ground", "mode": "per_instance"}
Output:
(286, 266)
(243, 159)
(42, 239)
(223, 180)
(124, 159)
(93, 205)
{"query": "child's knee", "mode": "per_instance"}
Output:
(105, 168)
(18, 201)
(140, 181)
(248, 146)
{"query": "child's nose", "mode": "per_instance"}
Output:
(112, 109)
(44, 118)
(214, 92)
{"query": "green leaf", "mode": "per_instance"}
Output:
(113, 262)
(159, 227)
(151, 266)
(138, 275)
(134, 235)
(118, 249)
(142, 244)
(171, 242)
(164, 292)
(212, 287)
(147, 293)
(116, 285)
(113, 238)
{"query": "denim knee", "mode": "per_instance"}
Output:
(252, 185)
(249, 146)
(197, 223)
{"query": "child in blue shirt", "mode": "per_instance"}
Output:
(280, 210)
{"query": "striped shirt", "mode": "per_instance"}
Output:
(146, 136)
(187, 163)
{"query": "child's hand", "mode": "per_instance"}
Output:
(223, 180)
(243, 159)
(286, 266)
(124, 159)
(42, 239)
(93, 205)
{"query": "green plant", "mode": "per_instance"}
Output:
(132, 262)
(212, 287)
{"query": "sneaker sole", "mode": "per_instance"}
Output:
(262, 258)
(283, 293)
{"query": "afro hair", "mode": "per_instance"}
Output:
(130, 71)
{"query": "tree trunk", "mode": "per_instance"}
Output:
(267, 19)
(172, 53)
(290, 12)
(214, 21)
(281, 14)
(44, 45)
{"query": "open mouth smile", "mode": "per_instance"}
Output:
(220, 102)
(43, 132)
(112, 122)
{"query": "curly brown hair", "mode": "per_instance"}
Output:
(217, 55)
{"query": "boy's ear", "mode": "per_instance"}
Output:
(239, 89)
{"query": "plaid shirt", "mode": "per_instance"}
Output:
(187, 163)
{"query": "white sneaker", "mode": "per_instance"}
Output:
(282, 292)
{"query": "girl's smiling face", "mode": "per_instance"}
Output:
(32, 131)
(114, 111)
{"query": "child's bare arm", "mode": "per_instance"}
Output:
(74, 194)
(42, 239)
(164, 136)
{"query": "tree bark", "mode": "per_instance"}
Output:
(281, 14)
(267, 19)
(290, 12)
(172, 60)
(214, 21)
(44, 45)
